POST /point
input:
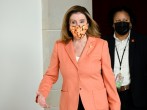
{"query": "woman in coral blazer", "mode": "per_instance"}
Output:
(84, 62)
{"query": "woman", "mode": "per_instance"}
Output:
(84, 62)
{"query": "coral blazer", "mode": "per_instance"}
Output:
(91, 77)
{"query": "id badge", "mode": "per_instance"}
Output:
(119, 80)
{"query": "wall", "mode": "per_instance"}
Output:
(101, 10)
(21, 60)
(53, 12)
(22, 63)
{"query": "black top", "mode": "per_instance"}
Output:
(137, 65)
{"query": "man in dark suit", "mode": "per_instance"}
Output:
(128, 53)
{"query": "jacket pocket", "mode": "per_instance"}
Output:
(100, 99)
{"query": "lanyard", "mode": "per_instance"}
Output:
(120, 60)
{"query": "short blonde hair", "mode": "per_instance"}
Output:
(93, 29)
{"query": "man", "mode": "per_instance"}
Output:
(128, 53)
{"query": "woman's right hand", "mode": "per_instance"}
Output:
(40, 99)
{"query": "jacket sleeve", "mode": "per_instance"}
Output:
(109, 79)
(52, 73)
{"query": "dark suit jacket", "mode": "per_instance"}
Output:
(137, 65)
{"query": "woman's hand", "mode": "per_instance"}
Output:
(40, 99)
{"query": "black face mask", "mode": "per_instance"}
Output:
(122, 28)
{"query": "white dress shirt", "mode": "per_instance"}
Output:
(77, 58)
(125, 72)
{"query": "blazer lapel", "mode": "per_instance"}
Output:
(111, 44)
(131, 49)
(70, 51)
(88, 47)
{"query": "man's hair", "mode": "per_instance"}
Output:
(114, 10)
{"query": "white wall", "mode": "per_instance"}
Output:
(21, 60)
(53, 12)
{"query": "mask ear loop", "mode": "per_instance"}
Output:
(130, 26)
(113, 26)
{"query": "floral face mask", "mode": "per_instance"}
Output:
(79, 31)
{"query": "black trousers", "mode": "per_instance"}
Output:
(127, 101)
(80, 106)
